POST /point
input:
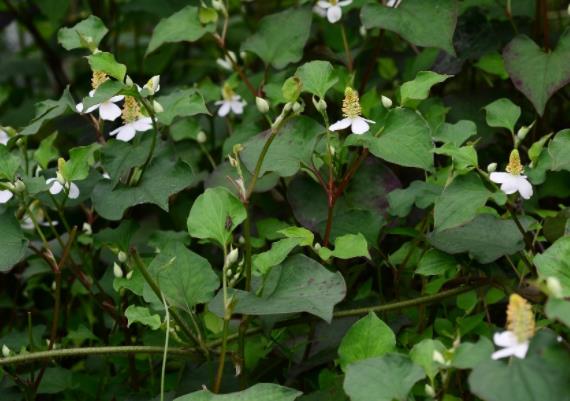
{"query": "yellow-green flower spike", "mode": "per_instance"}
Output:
(515, 167)
(131, 110)
(351, 103)
(227, 92)
(98, 78)
(520, 319)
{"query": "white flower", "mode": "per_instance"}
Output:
(511, 345)
(108, 110)
(231, 102)
(4, 137)
(352, 118)
(56, 185)
(153, 84)
(513, 181)
(128, 131)
(134, 121)
(5, 195)
(359, 125)
(332, 8)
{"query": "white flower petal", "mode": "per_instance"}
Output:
(321, 12)
(359, 126)
(344, 3)
(510, 186)
(55, 187)
(505, 339)
(5, 195)
(73, 191)
(225, 109)
(520, 350)
(334, 14)
(126, 132)
(499, 178)
(116, 99)
(79, 107)
(524, 187)
(4, 137)
(143, 124)
(324, 4)
(109, 111)
(237, 106)
(503, 353)
(341, 124)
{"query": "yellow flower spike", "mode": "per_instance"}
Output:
(515, 167)
(520, 319)
(131, 110)
(351, 103)
(98, 78)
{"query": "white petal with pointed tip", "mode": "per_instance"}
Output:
(341, 124)
(334, 14)
(143, 124)
(73, 191)
(5, 195)
(360, 125)
(55, 186)
(225, 109)
(109, 111)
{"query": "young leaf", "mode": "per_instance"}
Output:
(418, 89)
(281, 37)
(183, 26)
(367, 338)
(215, 214)
(142, 315)
(503, 113)
(105, 62)
(85, 34)
(317, 77)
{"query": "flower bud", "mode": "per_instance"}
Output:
(231, 257)
(19, 186)
(153, 85)
(438, 357)
(554, 287)
(297, 108)
(386, 102)
(157, 107)
(5, 351)
(317, 246)
(522, 132)
(362, 31)
(128, 81)
(117, 272)
(332, 149)
(320, 104)
(430, 392)
(87, 229)
(492, 167)
(122, 256)
(130, 275)
(262, 104)
(201, 137)
(287, 106)
(219, 5)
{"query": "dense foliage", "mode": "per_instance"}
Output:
(278, 200)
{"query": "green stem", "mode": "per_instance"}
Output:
(86, 351)
(221, 364)
(154, 137)
(165, 354)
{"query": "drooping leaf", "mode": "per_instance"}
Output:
(142, 315)
(281, 37)
(387, 378)
(181, 103)
(299, 284)
(87, 34)
(162, 179)
(13, 243)
(183, 26)
(559, 149)
(406, 140)
(317, 77)
(291, 147)
(185, 278)
(347, 246)
(536, 73)
(555, 262)
(215, 214)
(503, 113)
(426, 23)
(258, 392)
(435, 263)
(418, 89)
(486, 238)
(459, 201)
(105, 62)
(369, 337)
(47, 111)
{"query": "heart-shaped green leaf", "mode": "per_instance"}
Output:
(536, 73)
